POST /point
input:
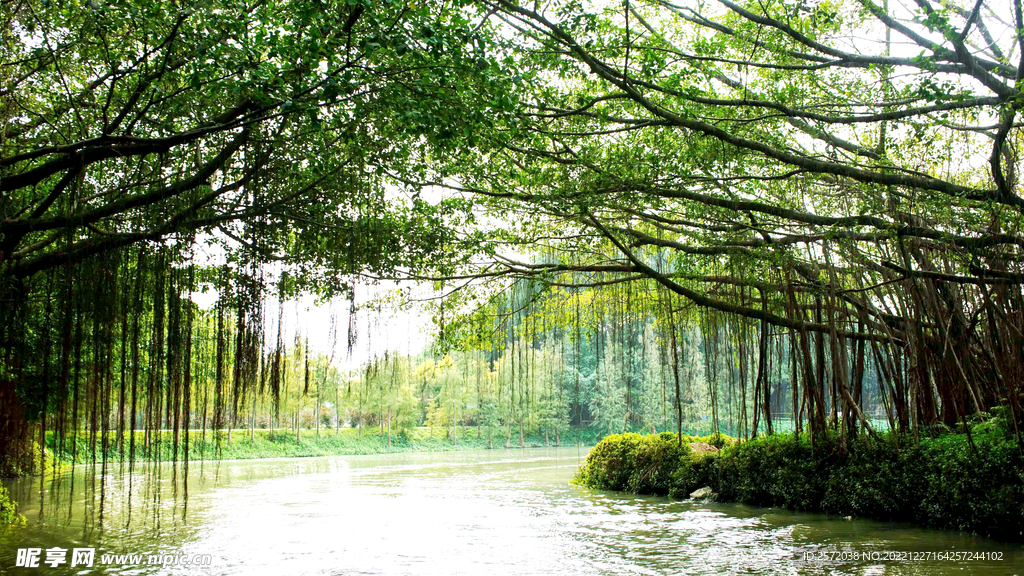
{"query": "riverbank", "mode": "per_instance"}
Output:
(244, 445)
(492, 512)
(940, 482)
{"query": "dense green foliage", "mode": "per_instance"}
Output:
(942, 482)
(266, 130)
(645, 464)
(8, 509)
(855, 202)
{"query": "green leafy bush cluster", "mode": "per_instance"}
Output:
(941, 482)
(645, 464)
(31, 459)
(8, 509)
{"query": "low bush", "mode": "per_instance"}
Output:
(645, 464)
(942, 482)
(8, 509)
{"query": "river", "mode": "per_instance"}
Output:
(488, 513)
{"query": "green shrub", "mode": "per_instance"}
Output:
(9, 509)
(941, 482)
(699, 471)
(641, 464)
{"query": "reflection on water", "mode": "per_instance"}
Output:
(493, 513)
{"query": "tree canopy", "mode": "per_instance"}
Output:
(265, 126)
(137, 136)
(839, 176)
(836, 168)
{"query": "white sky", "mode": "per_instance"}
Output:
(401, 331)
(380, 328)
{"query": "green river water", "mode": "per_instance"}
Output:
(488, 513)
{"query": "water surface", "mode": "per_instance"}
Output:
(492, 513)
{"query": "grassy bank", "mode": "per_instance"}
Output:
(346, 441)
(941, 482)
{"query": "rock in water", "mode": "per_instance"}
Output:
(705, 493)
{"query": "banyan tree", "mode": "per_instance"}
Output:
(843, 176)
(149, 151)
